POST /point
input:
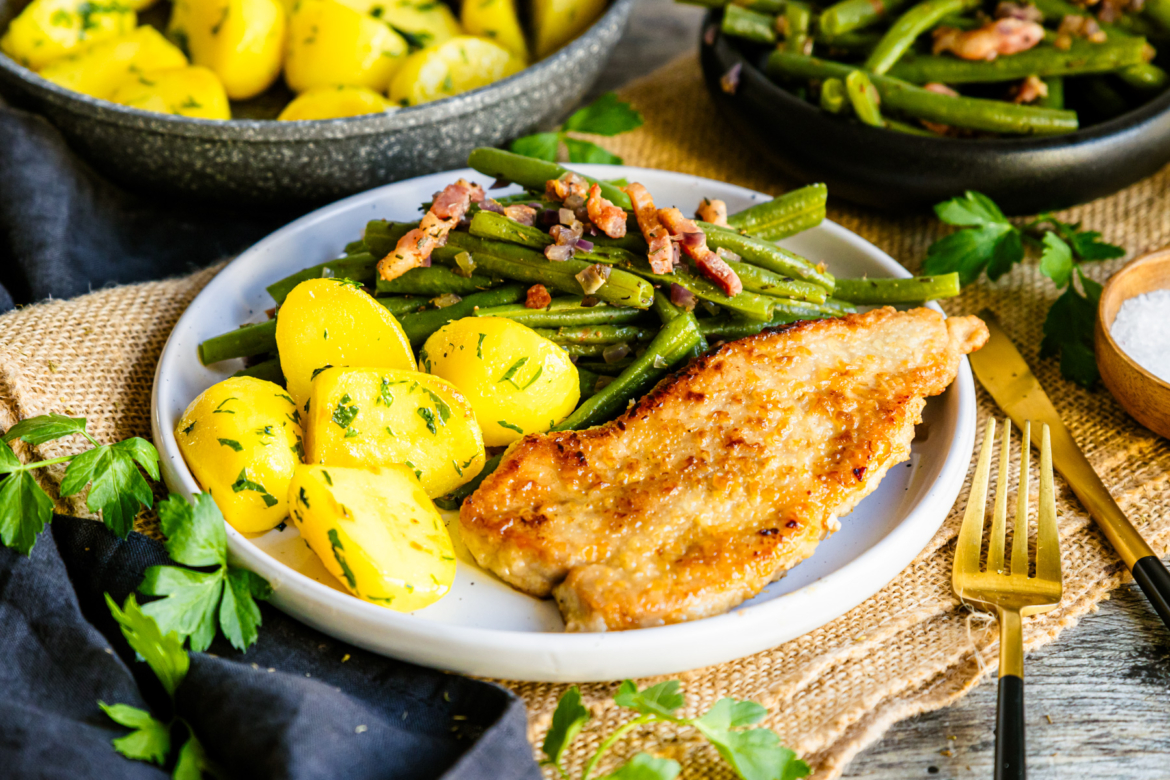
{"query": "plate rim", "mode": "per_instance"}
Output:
(322, 607)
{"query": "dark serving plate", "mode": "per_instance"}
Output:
(895, 171)
(261, 161)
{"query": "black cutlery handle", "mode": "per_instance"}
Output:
(1009, 730)
(1154, 580)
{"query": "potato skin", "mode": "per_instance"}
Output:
(368, 417)
(242, 41)
(334, 103)
(556, 22)
(329, 322)
(332, 45)
(49, 29)
(376, 531)
(514, 378)
(242, 438)
(192, 91)
(497, 21)
(99, 68)
(458, 65)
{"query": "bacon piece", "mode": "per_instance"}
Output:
(1002, 36)
(571, 189)
(1026, 11)
(538, 297)
(1029, 90)
(1075, 26)
(693, 241)
(661, 254)
(610, 219)
(414, 249)
(713, 211)
(525, 215)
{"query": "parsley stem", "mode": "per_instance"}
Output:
(53, 462)
(92, 440)
(611, 739)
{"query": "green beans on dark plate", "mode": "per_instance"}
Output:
(1146, 76)
(532, 174)
(420, 326)
(975, 113)
(881, 292)
(783, 216)
(864, 98)
(750, 25)
(565, 312)
(1081, 58)
(849, 15)
(244, 341)
(834, 97)
(435, 280)
(908, 27)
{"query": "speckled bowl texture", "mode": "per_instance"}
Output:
(268, 162)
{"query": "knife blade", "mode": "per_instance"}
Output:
(1001, 369)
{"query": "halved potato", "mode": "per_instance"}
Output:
(334, 103)
(242, 41)
(376, 531)
(98, 69)
(556, 22)
(48, 29)
(373, 417)
(497, 21)
(333, 322)
(517, 381)
(191, 91)
(241, 439)
(458, 65)
(332, 45)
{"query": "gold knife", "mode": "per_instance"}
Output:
(1001, 369)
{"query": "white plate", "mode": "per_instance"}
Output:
(484, 627)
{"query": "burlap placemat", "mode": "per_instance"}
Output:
(909, 649)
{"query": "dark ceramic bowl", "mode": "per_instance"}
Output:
(269, 162)
(895, 171)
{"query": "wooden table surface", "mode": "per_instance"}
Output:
(1097, 700)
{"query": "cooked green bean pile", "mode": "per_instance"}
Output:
(624, 334)
(960, 68)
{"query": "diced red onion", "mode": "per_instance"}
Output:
(727, 254)
(584, 246)
(593, 278)
(558, 253)
(426, 263)
(660, 362)
(692, 240)
(730, 80)
(445, 300)
(566, 216)
(682, 297)
(710, 33)
(615, 352)
(549, 217)
(493, 205)
(537, 206)
(574, 202)
(589, 301)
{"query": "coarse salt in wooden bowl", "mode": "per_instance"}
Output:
(1140, 392)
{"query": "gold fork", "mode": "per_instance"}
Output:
(1015, 594)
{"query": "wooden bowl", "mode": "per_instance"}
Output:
(1143, 395)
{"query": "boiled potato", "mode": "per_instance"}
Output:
(497, 20)
(242, 41)
(556, 22)
(421, 22)
(99, 68)
(372, 417)
(241, 439)
(191, 91)
(333, 103)
(517, 381)
(376, 531)
(331, 322)
(331, 45)
(458, 65)
(48, 29)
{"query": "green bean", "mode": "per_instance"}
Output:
(404, 305)
(908, 27)
(381, 236)
(749, 304)
(975, 113)
(435, 280)
(797, 20)
(587, 381)
(453, 499)
(834, 98)
(496, 227)
(356, 248)
(667, 312)
(761, 280)
(676, 339)
(731, 329)
(420, 326)
(849, 15)
(596, 334)
(864, 98)
(766, 254)
(1055, 96)
(909, 129)
(1146, 76)
(605, 369)
(360, 268)
(855, 43)
(531, 173)
(565, 312)
(585, 350)
(1082, 57)
(742, 23)
(1159, 11)
(268, 370)
(244, 341)
(881, 292)
(763, 6)
(803, 310)
(783, 216)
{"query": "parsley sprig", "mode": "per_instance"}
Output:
(151, 739)
(606, 116)
(754, 753)
(990, 243)
(205, 592)
(117, 489)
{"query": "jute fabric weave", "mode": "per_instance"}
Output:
(910, 649)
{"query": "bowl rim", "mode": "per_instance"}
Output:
(1104, 328)
(1128, 122)
(315, 130)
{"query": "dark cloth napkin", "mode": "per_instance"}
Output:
(288, 708)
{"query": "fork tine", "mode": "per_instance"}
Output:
(995, 546)
(1020, 535)
(1047, 538)
(971, 532)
